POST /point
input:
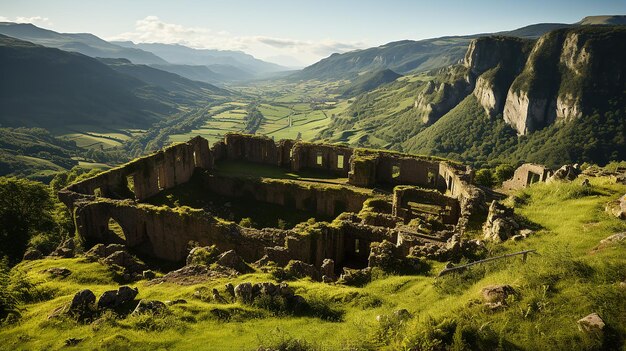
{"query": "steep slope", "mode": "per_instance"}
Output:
(182, 89)
(179, 54)
(570, 73)
(194, 72)
(84, 43)
(369, 81)
(46, 87)
(408, 55)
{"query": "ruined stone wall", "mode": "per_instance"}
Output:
(325, 200)
(150, 174)
(164, 232)
(252, 148)
(402, 195)
(525, 175)
(332, 158)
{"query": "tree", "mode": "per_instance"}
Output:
(25, 210)
(484, 177)
(504, 172)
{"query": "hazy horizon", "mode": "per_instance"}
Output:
(293, 34)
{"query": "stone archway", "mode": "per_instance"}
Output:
(115, 232)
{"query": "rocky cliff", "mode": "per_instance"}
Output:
(489, 67)
(568, 73)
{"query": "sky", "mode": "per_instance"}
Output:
(292, 32)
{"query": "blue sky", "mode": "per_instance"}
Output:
(292, 31)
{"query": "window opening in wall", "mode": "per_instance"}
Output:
(290, 153)
(340, 161)
(357, 249)
(533, 178)
(195, 159)
(319, 159)
(116, 229)
(97, 192)
(130, 183)
(395, 172)
(432, 177)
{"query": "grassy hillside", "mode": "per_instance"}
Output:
(369, 81)
(570, 277)
(46, 87)
(467, 134)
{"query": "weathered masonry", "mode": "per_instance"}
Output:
(527, 174)
(422, 189)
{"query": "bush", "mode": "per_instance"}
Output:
(484, 177)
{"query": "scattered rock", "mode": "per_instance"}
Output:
(32, 254)
(202, 255)
(230, 289)
(591, 324)
(175, 302)
(613, 239)
(500, 224)
(82, 305)
(328, 269)
(61, 272)
(217, 297)
(65, 249)
(148, 274)
(115, 298)
(232, 260)
(195, 274)
(72, 341)
(299, 269)
(497, 293)
(126, 261)
(356, 277)
(96, 251)
(525, 233)
(149, 306)
(617, 208)
(566, 172)
(586, 183)
(402, 314)
(243, 292)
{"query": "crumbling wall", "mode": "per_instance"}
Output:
(252, 148)
(525, 175)
(402, 195)
(332, 158)
(325, 200)
(165, 232)
(150, 174)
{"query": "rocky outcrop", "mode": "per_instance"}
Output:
(149, 306)
(500, 224)
(435, 100)
(116, 298)
(568, 73)
(495, 296)
(592, 323)
(565, 173)
(617, 207)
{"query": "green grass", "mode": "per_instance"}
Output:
(565, 282)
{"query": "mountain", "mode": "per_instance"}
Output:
(612, 20)
(183, 55)
(46, 87)
(183, 89)
(369, 81)
(553, 100)
(407, 55)
(84, 43)
(194, 72)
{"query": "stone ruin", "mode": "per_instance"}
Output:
(376, 196)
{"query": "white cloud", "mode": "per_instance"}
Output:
(151, 29)
(33, 19)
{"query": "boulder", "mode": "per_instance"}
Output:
(82, 304)
(230, 289)
(115, 298)
(592, 323)
(202, 255)
(328, 269)
(232, 260)
(356, 277)
(243, 292)
(500, 224)
(65, 249)
(617, 207)
(613, 239)
(497, 293)
(96, 251)
(299, 269)
(32, 254)
(149, 306)
(148, 274)
(126, 261)
(382, 255)
(217, 297)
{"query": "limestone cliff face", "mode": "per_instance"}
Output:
(495, 61)
(435, 100)
(568, 73)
